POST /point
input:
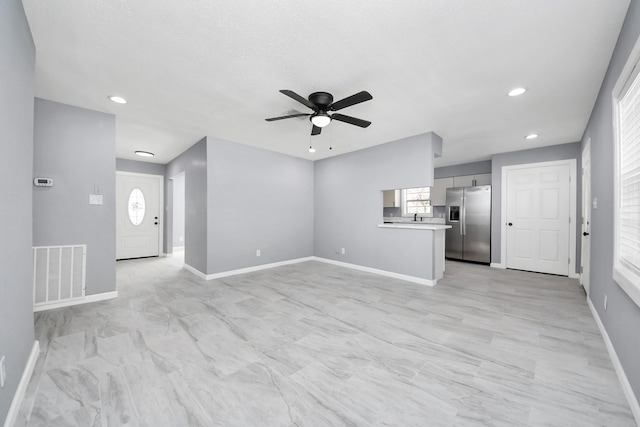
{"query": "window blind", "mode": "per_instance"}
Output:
(629, 170)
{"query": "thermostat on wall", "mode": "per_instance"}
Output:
(43, 182)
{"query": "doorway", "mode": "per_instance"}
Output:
(138, 215)
(538, 213)
(585, 259)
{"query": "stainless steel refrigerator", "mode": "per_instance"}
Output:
(469, 215)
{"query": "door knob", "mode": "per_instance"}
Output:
(155, 223)
(510, 224)
(585, 233)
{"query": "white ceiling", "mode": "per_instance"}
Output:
(214, 67)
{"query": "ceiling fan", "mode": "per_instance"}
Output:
(322, 103)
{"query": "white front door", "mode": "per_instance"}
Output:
(138, 215)
(586, 216)
(537, 219)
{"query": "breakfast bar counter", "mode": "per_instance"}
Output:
(438, 231)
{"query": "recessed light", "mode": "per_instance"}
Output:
(531, 136)
(517, 91)
(144, 154)
(118, 99)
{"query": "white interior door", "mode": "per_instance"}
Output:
(537, 219)
(586, 217)
(138, 215)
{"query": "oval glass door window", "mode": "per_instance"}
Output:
(136, 206)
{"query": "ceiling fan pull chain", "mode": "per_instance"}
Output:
(331, 138)
(311, 149)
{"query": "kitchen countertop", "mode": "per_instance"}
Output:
(415, 226)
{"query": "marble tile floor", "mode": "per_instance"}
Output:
(314, 344)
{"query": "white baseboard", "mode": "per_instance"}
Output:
(497, 265)
(244, 270)
(405, 277)
(622, 376)
(77, 301)
(574, 276)
(311, 258)
(195, 271)
(18, 397)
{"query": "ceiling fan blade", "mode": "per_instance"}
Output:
(315, 130)
(351, 120)
(351, 100)
(287, 117)
(293, 95)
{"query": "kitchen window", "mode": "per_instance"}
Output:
(416, 201)
(626, 104)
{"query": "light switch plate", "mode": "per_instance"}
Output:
(595, 203)
(95, 199)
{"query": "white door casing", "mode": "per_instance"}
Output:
(539, 204)
(138, 235)
(585, 259)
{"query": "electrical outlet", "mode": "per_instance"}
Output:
(3, 373)
(342, 251)
(257, 252)
(605, 302)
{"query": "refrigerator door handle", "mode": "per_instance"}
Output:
(463, 219)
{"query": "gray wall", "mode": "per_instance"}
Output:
(464, 169)
(178, 210)
(193, 162)
(535, 155)
(136, 166)
(348, 199)
(622, 318)
(257, 199)
(76, 147)
(17, 62)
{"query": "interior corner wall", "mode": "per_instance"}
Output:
(257, 200)
(622, 317)
(178, 200)
(17, 64)
(193, 163)
(534, 155)
(348, 206)
(76, 148)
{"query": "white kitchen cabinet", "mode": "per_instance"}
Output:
(471, 180)
(483, 179)
(463, 181)
(439, 191)
(391, 198)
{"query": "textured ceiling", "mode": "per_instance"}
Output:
(212, 67)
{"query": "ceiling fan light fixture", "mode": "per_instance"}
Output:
(320, 119)
(311, 149)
